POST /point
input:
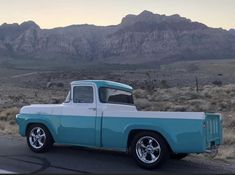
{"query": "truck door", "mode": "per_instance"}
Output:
(79, 115)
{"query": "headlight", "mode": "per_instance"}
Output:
(17, 115)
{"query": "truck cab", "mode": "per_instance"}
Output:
(89, 99)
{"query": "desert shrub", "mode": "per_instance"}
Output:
(223, 106)
(232, 100)
(142, 103)
(217, 83)
(232, 124)
(9, 128)
(55, 101)
(229, 136)
(9, 113)
(162, 96)
(2, 126)
(12, 122)
(192, 68)
(230, 88)
(226, 152)
(178, 108)
(189, 96)
(164, 84)
(199, 105)
(139, 93)
(55, 85)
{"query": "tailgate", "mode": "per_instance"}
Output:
(213, 127)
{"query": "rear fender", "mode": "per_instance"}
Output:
(152, 128)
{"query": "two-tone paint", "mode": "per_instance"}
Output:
(110, 126)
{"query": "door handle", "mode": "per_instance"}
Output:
(93, 109)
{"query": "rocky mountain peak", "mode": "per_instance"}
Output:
(142, 17)
(5, 25)
(151, 18)
(147, 14)
(29, 25)
(232, 31)
(12, 31)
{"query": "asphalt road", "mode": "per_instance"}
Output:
(16, 157)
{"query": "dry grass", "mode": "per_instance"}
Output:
(227, 150)
(229, 136)
(9, 114)
(7, 120)
(8, 128)
(13, 98)
(226, 153)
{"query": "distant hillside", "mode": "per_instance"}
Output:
(142, 38)
(232, 31)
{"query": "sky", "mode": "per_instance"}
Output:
(59, 13)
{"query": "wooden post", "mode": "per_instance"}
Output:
(196, 81)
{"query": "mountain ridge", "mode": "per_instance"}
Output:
(142, 38)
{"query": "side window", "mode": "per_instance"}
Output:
(83, 94)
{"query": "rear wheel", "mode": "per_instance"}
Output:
(149, 149)
(39, 138)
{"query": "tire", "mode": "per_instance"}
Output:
(149, 150)
(178, 156)
(39, 138)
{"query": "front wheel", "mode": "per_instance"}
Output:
(149, 149)
(39, 138)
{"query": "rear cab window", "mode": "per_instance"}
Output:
(115, 96)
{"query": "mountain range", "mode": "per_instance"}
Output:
(142, 38)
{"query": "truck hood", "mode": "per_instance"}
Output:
(45, 109)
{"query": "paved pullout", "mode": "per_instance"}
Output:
(15, 156)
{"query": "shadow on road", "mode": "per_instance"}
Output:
(73, 159)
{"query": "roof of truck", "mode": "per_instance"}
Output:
(106, 83)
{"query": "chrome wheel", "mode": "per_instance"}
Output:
(37, 138)
(148, 149)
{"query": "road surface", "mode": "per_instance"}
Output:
(15, 157)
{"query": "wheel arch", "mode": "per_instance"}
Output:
(133, 132)
(39, 123)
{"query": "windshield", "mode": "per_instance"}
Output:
(110, 95)
(67, 100)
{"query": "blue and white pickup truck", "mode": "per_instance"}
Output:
(102, 114)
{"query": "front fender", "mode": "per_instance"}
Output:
(51, 122)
